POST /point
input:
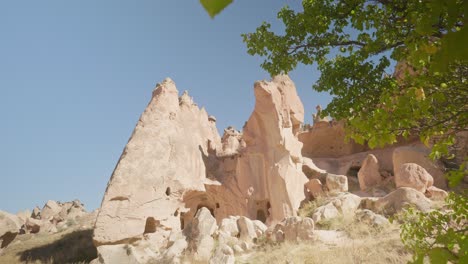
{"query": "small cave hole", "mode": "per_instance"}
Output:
(209, 208)
(182, 221)
(261, 216)
(168, 191)
(151, 225)
(353, 171)
(176, 213)
(217, 205)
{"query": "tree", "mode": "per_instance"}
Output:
(354, 42)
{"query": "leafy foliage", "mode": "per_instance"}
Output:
(354, 43)
(439, 235)
(214, 7)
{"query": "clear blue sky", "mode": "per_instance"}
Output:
(76, 75)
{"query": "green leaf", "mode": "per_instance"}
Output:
(440, 255)
(214, 7)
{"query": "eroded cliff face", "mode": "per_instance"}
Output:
(163, 160)
(270, 169)
(176, 163)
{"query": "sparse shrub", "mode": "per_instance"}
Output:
(308, 208)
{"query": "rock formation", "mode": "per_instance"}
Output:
(178, 180)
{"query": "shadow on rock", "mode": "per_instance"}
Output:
(74, 247)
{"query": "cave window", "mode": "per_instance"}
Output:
(182, 222)
(261, 216)
(209, 208)
(150, 226)
(217, 205)
(168, 191)
(353, 171)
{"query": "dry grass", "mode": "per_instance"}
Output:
(364, 245)
(70, 246)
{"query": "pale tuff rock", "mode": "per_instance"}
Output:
(36, 213)
(314, 188)
(369, 175)
(50, 209)
(202, 228)
(420, 155)
(344, 205)
(232, 142)
(370, 218)
(413, 176)
(273, 152)
(397, 200)
(229, 226)
(294, 228)
(9, 228)
(436, 194)
(336, 183)
(223, 255)
(162, 161)
(246, 229)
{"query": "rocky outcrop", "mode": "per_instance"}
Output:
(344, 205)
(294, 229)
(397, 200)
(273, 152)
(369, 174)
(420, 155)
(9, 228)
(413, 176)
(164, 159)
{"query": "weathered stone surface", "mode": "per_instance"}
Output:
(201, 242)
(164, 158)
(413, 176)
(314, 188)
(223, 255)
(260, 228)
(294, 228)
(336, 183)
(397, 200)
(420, 155)
(246, 229)
(50, 209)
(436, 194)
(273, 152)
(370, 218)
(9, 228)
(229, 226)
(369, 175)
(344, 205)
(36, 213)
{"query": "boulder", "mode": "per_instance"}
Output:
(223, 255)
(436, 194)
(50, 209)
(314, 188)
(247, 229)
(295, 229)
(36, 213)
(201, 242)
(336, 183)
(369, 175)
(395, 201)
(420, 155)
(370, 218)
(229, 226)
(9, 228)
(413, 176)
(260, 227)
(32, 226)
(344, 205)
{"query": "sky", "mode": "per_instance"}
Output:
(75, 77)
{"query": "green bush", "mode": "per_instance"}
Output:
(439, 235)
